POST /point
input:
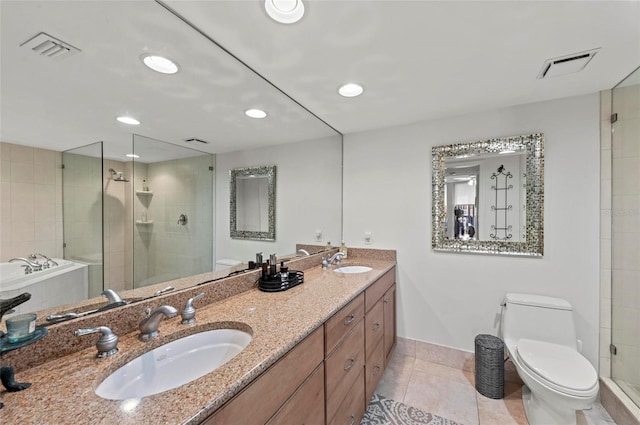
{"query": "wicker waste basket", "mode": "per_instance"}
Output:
(490, 366)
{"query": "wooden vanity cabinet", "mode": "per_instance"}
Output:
(331, 375)
(259, 401)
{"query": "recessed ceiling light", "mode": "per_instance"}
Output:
(159, 63)
(255, 113)
(350, 90)
(284, 11)
(128, 120)
(132, 155)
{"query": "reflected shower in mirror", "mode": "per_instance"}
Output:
(488, 196)
(253, 203)
(172, 211)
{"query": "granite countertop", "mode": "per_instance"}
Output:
(62, 390)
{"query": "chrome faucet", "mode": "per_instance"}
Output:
(327, 262)
(162, 291)
(107, 345)
(30, 266)
(112, 296)
(149, 325)
(189, 313)
(303, 251)
(34, 257)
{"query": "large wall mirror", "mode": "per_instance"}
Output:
(488, 196)
(201, 107)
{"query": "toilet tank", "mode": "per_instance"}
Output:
(538, 317)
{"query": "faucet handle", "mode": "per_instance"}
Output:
(107, 345)
(189, 313)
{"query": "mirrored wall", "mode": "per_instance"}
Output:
(201, 106)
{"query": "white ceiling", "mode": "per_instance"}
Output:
(418, 60)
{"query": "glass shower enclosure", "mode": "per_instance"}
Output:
(625, 279)
(82, 210)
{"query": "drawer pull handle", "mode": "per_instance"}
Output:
(376, 370)
(349, 364)
(376, 327)
(353, 419)
(349, 319)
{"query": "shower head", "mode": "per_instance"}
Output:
(119, 177)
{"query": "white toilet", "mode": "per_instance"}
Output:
(540, 337)
(226, 263)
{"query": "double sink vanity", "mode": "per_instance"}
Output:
(313, 354)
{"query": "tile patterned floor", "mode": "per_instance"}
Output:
(442, 383)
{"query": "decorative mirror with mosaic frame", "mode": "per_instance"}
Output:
(488, 196)
(253, 203)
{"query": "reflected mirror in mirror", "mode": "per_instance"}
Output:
(252, 201)
(488, 196)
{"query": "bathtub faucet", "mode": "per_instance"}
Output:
(47, 263)
(29, 266)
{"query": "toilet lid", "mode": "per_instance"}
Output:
(561, 367)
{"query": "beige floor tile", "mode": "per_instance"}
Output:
(506, 411)
(444, 355)
(452, 373)
(597, 411)
(406, 347)
(510, 373)
(444, 397)
(584, 419)
(395, 379)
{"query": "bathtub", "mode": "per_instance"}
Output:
(63, 284)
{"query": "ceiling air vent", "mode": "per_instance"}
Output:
(196, 140)
(50, 47)
(566, 64)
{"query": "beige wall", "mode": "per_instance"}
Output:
(30, 202)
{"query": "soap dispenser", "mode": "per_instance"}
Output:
(343, 249)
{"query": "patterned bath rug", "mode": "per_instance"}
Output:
(384, 411)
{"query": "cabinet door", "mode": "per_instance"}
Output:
(343, 367)
(306, 406)
(374, 327)
(389, 301)
(353, 406)
(374, 369)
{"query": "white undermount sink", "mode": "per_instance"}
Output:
(174, 364)
(353, 269)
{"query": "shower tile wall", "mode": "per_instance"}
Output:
(626, 235)
(30, 201)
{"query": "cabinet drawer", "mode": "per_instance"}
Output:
(264, 396)
(374, 292)
(306, 406)
(352, 409)
(343, 367)
(374, 324)
(342, 322)
(374, 370)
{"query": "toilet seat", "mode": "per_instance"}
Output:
(559, 367)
